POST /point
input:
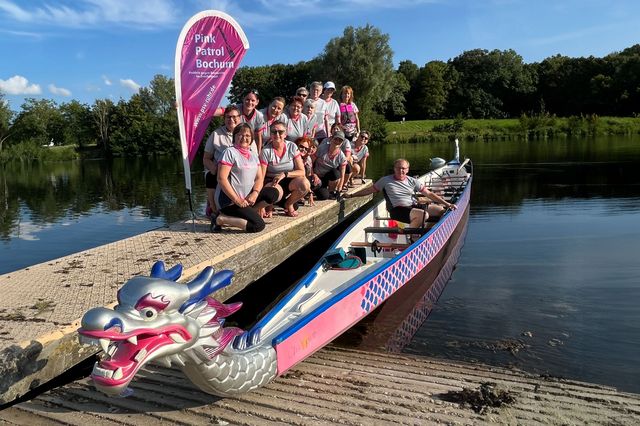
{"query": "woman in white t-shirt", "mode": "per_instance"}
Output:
(283, 169)
(240, 194)
(298, 124)
(274, 112)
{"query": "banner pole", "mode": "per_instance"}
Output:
(193, 213)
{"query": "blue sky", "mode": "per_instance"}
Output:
(94, 49)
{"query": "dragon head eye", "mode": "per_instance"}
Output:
(148, 313)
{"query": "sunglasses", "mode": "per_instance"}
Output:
(364, 137)
(303, 95)
(303, 148)
(235, 117)
(278, 132)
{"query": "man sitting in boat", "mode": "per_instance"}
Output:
(400, 190)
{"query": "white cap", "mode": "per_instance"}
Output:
(330, 85)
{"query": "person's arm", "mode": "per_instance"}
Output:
(225, 185)
(357, 123)
(363, 166)
(343, 170)
(258, 182)
(209, 164)
(259, 141)
(361, 193)
(438, 199)
(298, 168)
(327, 130)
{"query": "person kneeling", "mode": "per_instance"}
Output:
(240, 194)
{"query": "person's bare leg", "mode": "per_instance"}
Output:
(236, 222)
(435, 210)
(418, 218)
(210, 196)
(299, 187)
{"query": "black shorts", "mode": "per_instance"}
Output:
(331, 176)
(284, 184)
(401, 214)
(255, 223)
(210, 180)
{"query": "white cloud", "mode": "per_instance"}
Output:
(139, 13)
(262, 13)
(18, 85)
(59, 91)
(130, 84)
(106, 80)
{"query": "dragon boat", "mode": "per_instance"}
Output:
(160, 320)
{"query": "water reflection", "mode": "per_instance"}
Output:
(53, 209)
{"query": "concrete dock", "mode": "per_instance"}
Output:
(40, 306)
(339, 386)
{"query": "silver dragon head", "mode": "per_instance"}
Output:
(158, 319)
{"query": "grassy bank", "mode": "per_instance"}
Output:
(33, 152)
(525, 127)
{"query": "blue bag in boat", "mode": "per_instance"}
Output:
(335, 256)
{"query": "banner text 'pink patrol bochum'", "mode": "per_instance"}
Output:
(210, 49)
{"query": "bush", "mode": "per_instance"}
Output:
(33, 151)
(376, 125)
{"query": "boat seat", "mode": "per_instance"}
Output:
(392, 246)
(395, 230)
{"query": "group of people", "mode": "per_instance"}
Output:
(278, 155)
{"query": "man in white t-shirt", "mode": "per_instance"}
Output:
(400, 189)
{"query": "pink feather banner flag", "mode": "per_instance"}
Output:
(209, 51)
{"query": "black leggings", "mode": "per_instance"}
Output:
(254, 222)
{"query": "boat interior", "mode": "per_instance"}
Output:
(371, 241)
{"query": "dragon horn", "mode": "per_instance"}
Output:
(158, 271)
(205, 284)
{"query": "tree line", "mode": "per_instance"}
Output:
(476, 84)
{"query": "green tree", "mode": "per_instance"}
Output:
(131, 128)
(270, 81)
(39, 121)
(362, 59)
(625, 81)
(395, 106)
(489, 84)
(101, 111)
(410, 72)
(432, 90)
(163, 94)
(79, 127)
(6, 115)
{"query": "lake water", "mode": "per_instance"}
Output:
(548, 280)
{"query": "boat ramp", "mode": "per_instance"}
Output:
(342, 386)
(41, 306)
